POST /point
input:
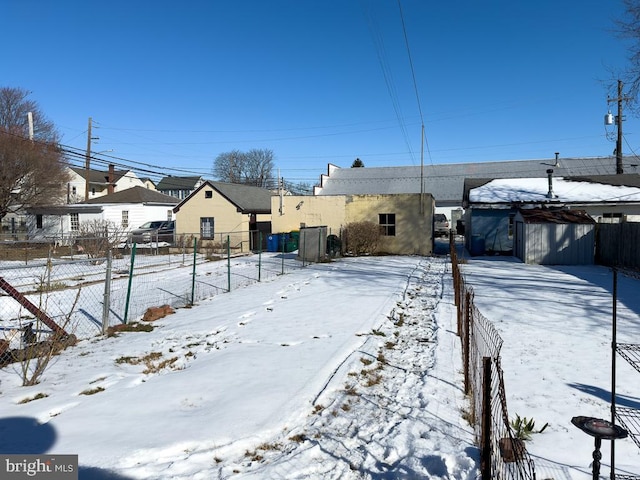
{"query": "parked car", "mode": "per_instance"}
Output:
(440, 225)
(154, 231)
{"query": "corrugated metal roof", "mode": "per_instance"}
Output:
(539, 215)
(446, 181)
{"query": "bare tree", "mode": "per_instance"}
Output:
(32, 170)
(254, 167)
(628, 28)
(298, 188)
(259, 165)
(228, 166)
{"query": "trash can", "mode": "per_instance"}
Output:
(292, 241)
(272, 243)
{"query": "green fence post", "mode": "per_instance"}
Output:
(126, 305)
(283, 242)
(229, 263)
(106, 304)
(193, 274)
(259, 256)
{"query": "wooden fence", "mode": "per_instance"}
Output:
(617, 244)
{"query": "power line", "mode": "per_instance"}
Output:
(413, 76)
(388, 78)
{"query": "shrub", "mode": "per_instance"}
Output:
(361, 238)
(96, 237)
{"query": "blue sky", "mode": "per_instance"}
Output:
(170, 85)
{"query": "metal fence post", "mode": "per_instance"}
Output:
(466, 343)
(126, 305)
(106, 304)
(260, 256)
(228, 263)
(193, 274)
(282, 268)
(485, 441)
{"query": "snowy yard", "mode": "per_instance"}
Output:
(343, 370)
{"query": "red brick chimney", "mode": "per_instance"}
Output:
(110, 181)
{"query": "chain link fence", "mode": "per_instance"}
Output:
(84, 296)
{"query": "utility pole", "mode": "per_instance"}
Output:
(619, 100)
(87, 162)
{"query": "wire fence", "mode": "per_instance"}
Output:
(84, 296)
(503, 453)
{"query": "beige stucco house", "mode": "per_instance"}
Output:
(217, 210)
(405, 219)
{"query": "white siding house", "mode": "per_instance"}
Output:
(127, 210)
(99, 183)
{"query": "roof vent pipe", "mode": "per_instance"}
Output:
(550, 177)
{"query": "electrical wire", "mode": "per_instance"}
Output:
(413, 76)
(388, 78)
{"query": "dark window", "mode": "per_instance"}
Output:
(206, 228)
(612, 217)
(388, 224)
(208, 194)
(39, 221)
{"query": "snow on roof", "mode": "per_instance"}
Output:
(508, 190)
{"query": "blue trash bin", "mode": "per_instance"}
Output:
(272, 243)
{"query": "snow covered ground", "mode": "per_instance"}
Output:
(331, 371)
(556, 323)
(349, 369)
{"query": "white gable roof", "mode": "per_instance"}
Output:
(509, 190)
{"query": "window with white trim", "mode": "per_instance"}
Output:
(75, 222)
(206, 228)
